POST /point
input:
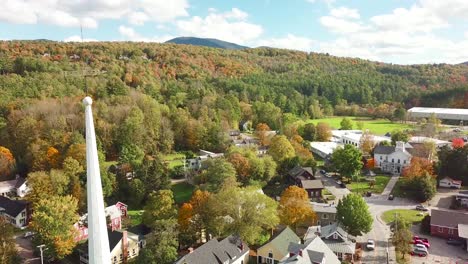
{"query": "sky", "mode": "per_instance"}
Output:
(394, 31)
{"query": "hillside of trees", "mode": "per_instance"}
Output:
(207, 42)
(156, 98)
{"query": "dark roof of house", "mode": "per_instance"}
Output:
(141, 230)
(299, 171)
(114, 239)
(448, 218)
(216, 252)
(315, 256)
(384, 150)
(312, 184)
(19, 182)
(12, 207)
(282, 239)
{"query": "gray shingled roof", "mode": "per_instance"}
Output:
(299, 171)
(384, 150)
(312, 184)
(12, 207)
(448, 218)
(283, 240)
(311, 249)
(216, 252)
(323, 208)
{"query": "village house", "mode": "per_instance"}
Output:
(276, 249)
(392, 159)
(304, 178)
(326, 213)
(338, 240)
(123, 247)
(230, 250)
(114, 215)
(17, 187)
(197, 162)
(445, 223)
(313, 251)
(17, 212)
(448, 182)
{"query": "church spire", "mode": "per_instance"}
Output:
(98, 242)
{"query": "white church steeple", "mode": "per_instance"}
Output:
(98, 242)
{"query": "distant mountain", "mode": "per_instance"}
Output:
(207, 42)
(466, 63)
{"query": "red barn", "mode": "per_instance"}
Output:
(444, 223)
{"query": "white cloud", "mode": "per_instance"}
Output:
(466, 34)
(68, 13)
(344, 12)
(229, 26)
(76, 38)
(340, 25)
(290, 41)
(137, 18)
(129, 34)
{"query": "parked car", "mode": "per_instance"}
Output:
(455, 242)
(28, 234)
(421, 208)
(419, 252)
(420, 242)
(390, 197)
(323, 172)
(421, 238)
(370, 244)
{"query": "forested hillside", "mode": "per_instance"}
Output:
(155, 98)
(207, 42)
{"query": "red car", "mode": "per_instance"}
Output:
(424, 242)
(420, 238)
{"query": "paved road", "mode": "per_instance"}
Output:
(332, 186)
(24, 247)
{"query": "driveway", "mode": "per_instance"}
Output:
(24, 247)
(440, 252)
(332, 186)
(443, 198)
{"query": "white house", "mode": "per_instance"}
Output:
(17, 212)
(17, 187)
(450, 183)
(313, 251)
(392, 159)
(196, 163)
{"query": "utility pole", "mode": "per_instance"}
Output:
(41, 249)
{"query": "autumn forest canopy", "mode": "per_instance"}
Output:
(156, 98)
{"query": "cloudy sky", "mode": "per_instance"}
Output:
(397, 31)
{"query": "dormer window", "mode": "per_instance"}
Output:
(335, 236)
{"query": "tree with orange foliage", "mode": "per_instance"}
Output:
(192, 217)
(370, 164)
(260, 131)
(7, 163)
(295, 209)
(53, 157)
(418, 167)
(242, 166)
(458, 143)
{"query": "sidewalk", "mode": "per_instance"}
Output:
(388, 189)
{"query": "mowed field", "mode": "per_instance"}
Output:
(375, 126)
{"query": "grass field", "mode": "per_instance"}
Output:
(173, 160)
(409, 215)
(135, 216)
(376, 126)
(399, 190)
(380, 183)
(182, 192)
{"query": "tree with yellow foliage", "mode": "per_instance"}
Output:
(7, 163)
(295, 209)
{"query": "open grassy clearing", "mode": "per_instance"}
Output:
(406, 214)
(136, 216)
(376, 126)
(361, 187)
(174, 159)
(182, 192)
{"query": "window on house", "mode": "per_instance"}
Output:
(335, 236)
(324, 216)
(318, 222)
(398, 161)
(393, 160)
(133, 252)
(404, 161)
(121, 256)
(115, 259)
(440, 229)
(23, 214)
(450, 231)
(270, 259)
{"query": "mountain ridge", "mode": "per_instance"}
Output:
(207, 42)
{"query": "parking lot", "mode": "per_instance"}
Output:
(440, 251)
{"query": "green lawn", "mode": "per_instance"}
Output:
(398, 190)
(182, 192)
(135, 216)
(376, 126)
(380, 183)
(409, 215)
(174, 159)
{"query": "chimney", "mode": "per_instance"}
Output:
(125, 245)
(241, 246)
(190, 250)
(300, 252)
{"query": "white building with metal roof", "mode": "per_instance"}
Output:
(441, 113)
